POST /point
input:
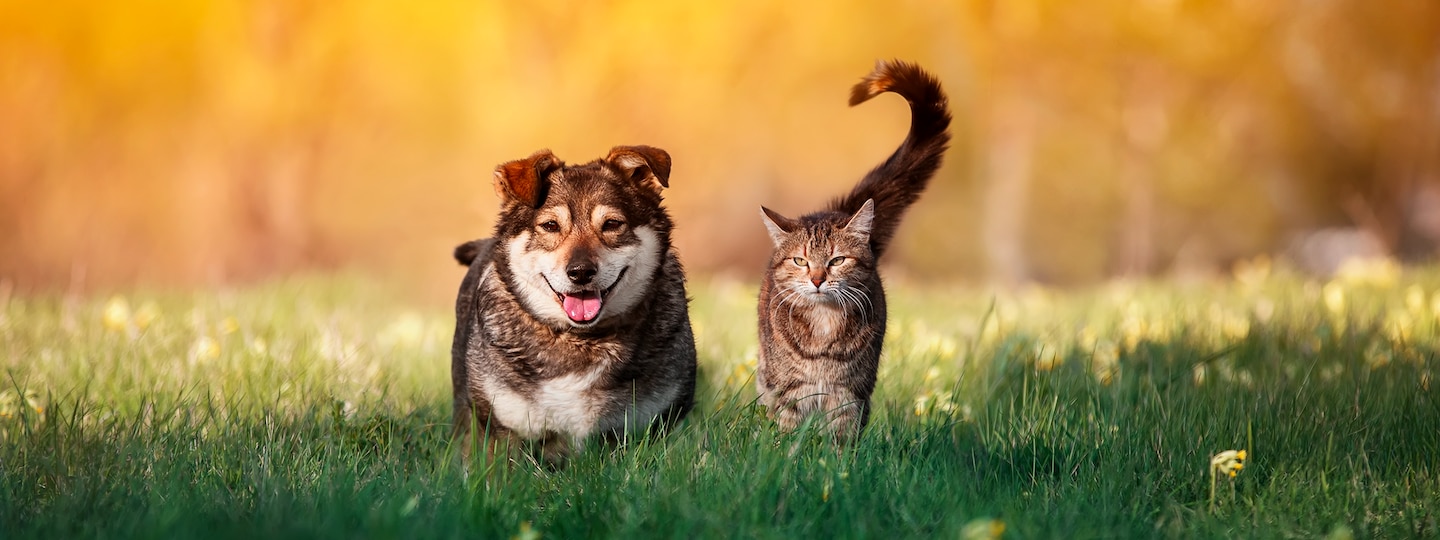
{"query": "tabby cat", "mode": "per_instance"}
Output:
(822, 307)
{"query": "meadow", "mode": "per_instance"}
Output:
(318, 406)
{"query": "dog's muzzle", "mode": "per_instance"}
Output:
(583, 307)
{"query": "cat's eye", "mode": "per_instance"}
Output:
(612, 225)
(837, 261)
(800, 262)
(550, 226)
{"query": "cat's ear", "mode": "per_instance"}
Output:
(779, 226)
(864, 219)
(525, 181)
(645, 165)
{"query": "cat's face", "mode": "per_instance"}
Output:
(823, 260)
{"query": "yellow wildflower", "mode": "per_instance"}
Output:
(1235, 327)
(922, 404)
(146, 315)
(1227, 463)
(983, 529)
(407, 330)
(1106, 362)
(204, 349)
(1334, 294)
(1415, 299)
(944, 403)
(930, 402)
(117, 314)
(737, 375)
(526, 533)
(1134, 329)
(1399, 326)
(10, 404)
(1341, 532)
(742, 371)
(1087, 338)
(946, 348)
(1264, 309)
(33, 401)
(1373, 271)
(1046, 357)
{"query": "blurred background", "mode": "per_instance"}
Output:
(195, 143)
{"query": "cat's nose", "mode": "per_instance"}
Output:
(817, 280)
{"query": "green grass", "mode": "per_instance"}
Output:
(318, 407)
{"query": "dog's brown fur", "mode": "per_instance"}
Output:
(524, 368)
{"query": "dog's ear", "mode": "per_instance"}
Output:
(526, 180)
(644, 165)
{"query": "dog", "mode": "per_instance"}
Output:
(572, 322)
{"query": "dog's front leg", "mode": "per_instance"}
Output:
(556, 448)
(475, 427)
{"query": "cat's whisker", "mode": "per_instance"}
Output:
(792, 298)
(864, 295)
(781, 298)
(794, 293)
(869, 305)
(857, 298)
(844, 297)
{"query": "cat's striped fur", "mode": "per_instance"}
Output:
(822, 307)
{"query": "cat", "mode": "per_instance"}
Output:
(822, 306)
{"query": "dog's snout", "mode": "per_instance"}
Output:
(581, 272)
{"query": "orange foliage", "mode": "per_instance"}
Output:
(226, 140)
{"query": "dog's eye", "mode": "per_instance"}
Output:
(800, 262)
(837, 261)
(612, 225)
(550, 226)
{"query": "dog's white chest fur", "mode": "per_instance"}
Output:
(570, 406)
(563, 404)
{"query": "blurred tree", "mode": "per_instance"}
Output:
(150, 141)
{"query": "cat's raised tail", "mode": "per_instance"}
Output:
(897, 183)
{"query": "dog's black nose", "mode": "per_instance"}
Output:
(581, 272)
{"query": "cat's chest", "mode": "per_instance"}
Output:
(825, 323)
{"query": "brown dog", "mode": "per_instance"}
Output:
(573, 320)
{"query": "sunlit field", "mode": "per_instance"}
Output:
(318, 407)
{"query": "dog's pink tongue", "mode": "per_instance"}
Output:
(582, 307)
